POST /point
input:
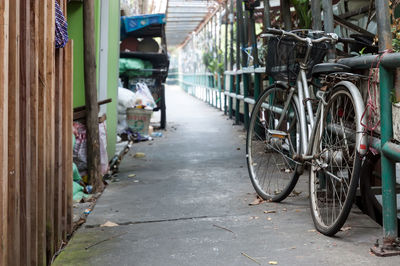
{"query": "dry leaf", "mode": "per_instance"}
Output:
(297, 210)
(272, 262)
(109, 224)
(257, 201)
(270, 211)
(296, 193)
(139, 155)
(344, 229)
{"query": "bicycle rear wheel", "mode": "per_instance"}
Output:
(335, 170)
(269, 148)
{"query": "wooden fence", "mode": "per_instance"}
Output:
(36, 133)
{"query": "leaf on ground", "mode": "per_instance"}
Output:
(272, 262)
(139, 155)
(109, 224)
(344, 229)
(297, 210)
(294, 192)
(131, 175)
(270, 211)
(257, 201)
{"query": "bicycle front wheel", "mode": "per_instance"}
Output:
(272, 140)
(335, 170)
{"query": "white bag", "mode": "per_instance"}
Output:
(143, 96)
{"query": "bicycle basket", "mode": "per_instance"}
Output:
(284, 55)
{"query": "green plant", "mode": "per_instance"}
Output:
(303, 12)
(212, 63)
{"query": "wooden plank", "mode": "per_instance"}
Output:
(25, 134)
(92, 127)
(351, 26)
(67, 140)
(50, 138)
(58, 118)
(69, 63)
(13, 138)
(4, 12)
(42, 143)
(82, 108)
(34, 105)
(64, 169)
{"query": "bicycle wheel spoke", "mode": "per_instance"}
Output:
(333, 181)
(270, 163)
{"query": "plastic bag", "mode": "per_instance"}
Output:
(126, 99)
(80, 153)
(144, 97)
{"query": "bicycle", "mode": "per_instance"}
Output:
(293, 127)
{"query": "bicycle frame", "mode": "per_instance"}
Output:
(308, 118)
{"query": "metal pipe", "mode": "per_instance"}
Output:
(384, 27)
(316, 14)
(239, 18)
(328, 23)
(389, 201)
(231, 78)
(367, 61)
(285, 11)
(267, 16)
(391, 151)
(226, 54)
(245, 57)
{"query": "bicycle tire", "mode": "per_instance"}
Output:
(335, 171)
(259, 151)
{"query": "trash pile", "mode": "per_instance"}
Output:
(135, 110)
(81, 189)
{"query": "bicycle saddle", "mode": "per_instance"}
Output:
(327, 68)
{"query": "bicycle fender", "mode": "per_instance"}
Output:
(361, 136)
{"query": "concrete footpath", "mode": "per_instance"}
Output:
(189, 205)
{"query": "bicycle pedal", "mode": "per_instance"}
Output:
(277, 133)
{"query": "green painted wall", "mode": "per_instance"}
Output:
(75, 31)
(113, 73)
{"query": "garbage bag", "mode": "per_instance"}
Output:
(144, 97)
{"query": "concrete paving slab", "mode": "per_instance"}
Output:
(189, 205)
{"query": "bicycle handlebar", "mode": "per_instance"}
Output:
(330, 37)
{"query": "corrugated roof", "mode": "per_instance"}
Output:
(184, 16)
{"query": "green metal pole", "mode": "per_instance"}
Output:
(239, 19)
(231, 77)
(246, 78)
(219, 92)
(389, 202)
(225, 55)
(388, 167)
(257, 76)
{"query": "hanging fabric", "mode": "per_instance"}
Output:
(61, 28)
